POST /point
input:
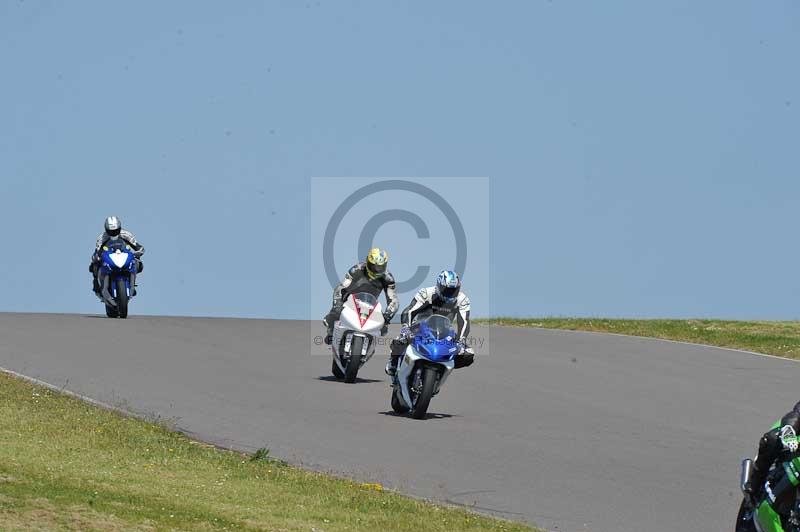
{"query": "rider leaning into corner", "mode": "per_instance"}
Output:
(771, 446)
(369, 276)
(444, 298)
(112, 231)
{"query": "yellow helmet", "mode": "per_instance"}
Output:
(376, 263)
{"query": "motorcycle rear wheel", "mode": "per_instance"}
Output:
(336, 371)
(398, 405)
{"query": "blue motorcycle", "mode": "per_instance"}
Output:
(117, 277)
(426, 364)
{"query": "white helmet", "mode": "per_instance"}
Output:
(113, 226)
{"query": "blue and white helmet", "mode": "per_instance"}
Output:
(448, 285)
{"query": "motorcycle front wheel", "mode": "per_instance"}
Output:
(122, 298)
(351, 371)
(423, 400)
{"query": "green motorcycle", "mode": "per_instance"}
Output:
(774, 507)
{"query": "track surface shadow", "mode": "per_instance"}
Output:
(331, 378)
(428, 416)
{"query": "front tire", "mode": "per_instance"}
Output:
(122, 298)
(420, 409)
(351, 371)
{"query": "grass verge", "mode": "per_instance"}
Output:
(67, 465)
(779, 338)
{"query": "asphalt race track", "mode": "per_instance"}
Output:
(569, 431)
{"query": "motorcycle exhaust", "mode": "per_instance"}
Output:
(747, 471)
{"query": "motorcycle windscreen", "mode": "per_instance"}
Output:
(364, 304)
(115, 244)
(435, 339)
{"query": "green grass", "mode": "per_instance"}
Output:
(779, 338)
(66, 465)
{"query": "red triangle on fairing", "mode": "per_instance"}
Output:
(360, 312)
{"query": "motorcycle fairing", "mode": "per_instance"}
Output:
(407, 365)
(117, 261)
(766, 519)
(351, 323)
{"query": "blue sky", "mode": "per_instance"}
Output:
(643, 156)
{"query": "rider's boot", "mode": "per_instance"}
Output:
(391, 369)
(391, 365)
(397, 347)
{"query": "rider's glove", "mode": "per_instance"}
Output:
(463, 347)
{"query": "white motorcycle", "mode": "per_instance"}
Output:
(355, 334)
(428, 361)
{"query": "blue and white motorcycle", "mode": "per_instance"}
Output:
(428, 361)
(117, 277)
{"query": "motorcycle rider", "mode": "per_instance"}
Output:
(444, 298)
(112, 231)
(772, 444)
(369, 276)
